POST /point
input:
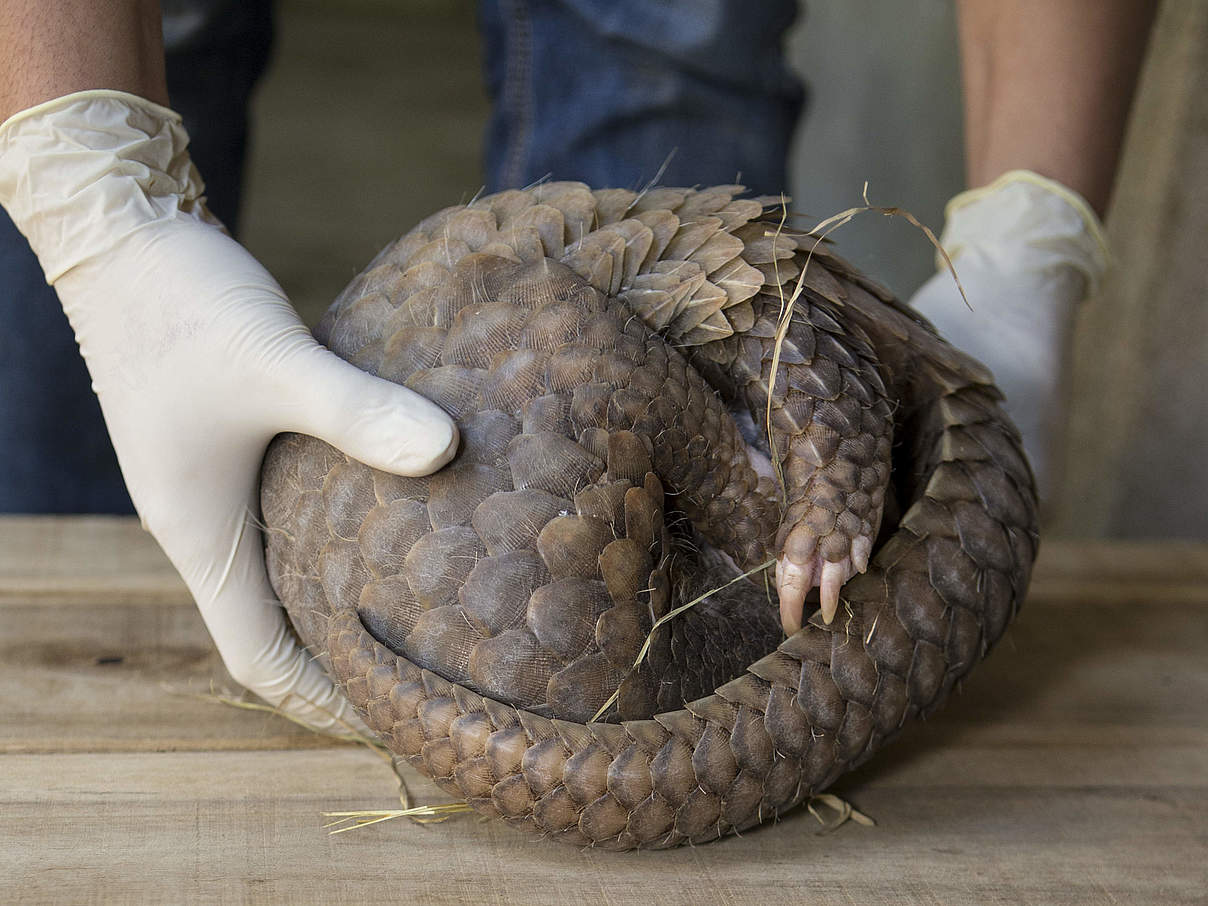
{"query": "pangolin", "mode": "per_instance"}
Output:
(657, 392)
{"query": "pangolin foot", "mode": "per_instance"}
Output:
(801, 566)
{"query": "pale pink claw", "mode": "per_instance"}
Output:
(793, 583)
(833, 577)
(861, 550)
(800, 567)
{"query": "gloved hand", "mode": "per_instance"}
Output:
(1027, 251)
(198, 360)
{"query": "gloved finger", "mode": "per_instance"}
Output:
(249, 629)
(382, 424)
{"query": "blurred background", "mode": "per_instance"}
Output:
(372, 113)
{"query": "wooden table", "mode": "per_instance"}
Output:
(1073, 768)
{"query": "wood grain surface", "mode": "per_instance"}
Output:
(1072, 769)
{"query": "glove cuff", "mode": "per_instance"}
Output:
(1054, 223)
(81, 173)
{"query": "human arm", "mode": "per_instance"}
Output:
(1048, 87)
(55, 47)
(194, 351)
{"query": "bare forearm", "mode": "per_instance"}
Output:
(49, 48)
(1048, 86)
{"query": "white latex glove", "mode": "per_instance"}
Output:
(198, 360)
(1027, 251)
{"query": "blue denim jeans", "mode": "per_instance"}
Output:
(608, 91)
(604, 91)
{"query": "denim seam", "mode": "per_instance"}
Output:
(518, 90)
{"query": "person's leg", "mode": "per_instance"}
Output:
(214, 62)
(605, 91)
(55, 455)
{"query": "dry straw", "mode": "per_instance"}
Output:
(350, 820)
(841, 811)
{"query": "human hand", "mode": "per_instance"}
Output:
(198, 360)
(1027, 251)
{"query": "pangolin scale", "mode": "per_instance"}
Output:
(609, 358)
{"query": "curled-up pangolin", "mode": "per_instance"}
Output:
(608, 357)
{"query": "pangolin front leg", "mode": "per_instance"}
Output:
(829, 431)
(838, 435)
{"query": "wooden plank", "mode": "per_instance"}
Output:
(112, 680)
(88, 560)
(109, 679)
(127, 675)
(157, 827)
(1071, 769)
(84, 560)
(1137, 572)
(122, 677)
(74, 678)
